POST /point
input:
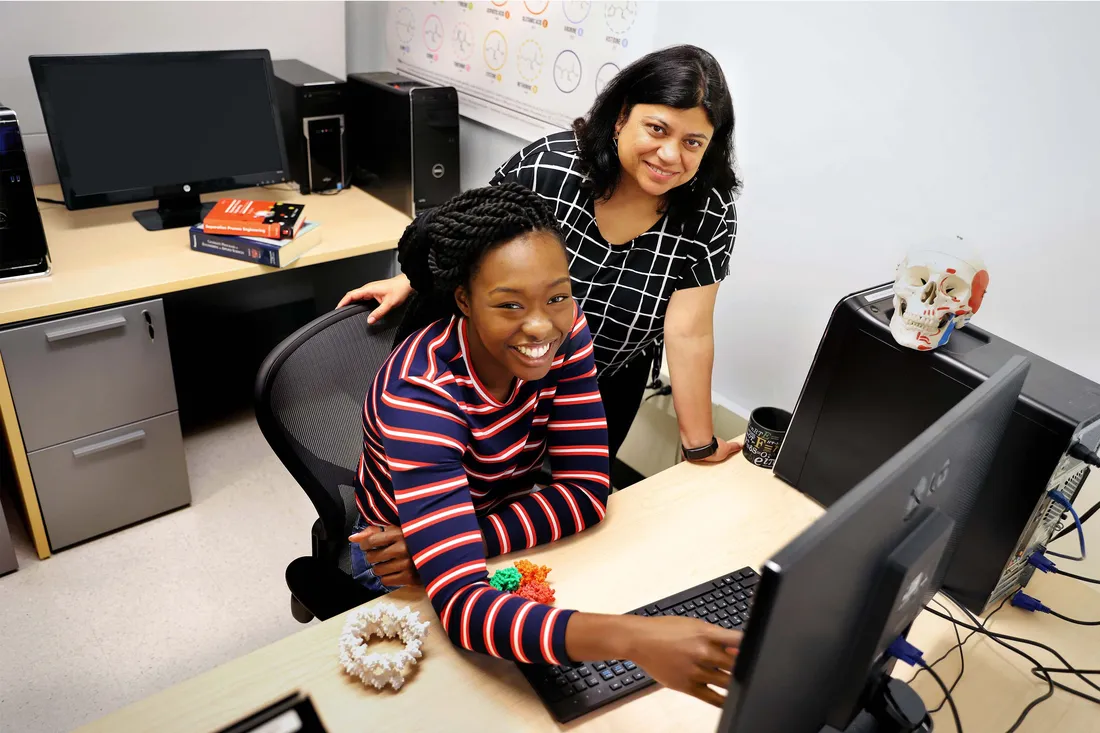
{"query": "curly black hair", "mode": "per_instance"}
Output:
(443, 247)
(682, 77)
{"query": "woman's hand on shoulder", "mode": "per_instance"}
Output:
(389, 293)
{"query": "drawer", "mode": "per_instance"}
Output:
(106, 481)
(76, 376)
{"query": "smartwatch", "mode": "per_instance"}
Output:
(698, 454)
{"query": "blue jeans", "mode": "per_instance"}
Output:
(361, 569)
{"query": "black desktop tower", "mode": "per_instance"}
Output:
(403, 140)
(866, 397)
(311, 104)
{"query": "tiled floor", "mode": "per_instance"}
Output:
(106, 623)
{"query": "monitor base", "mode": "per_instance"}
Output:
(174, 212)
(893, 708)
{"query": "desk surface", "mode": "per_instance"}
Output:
(647, 547)
(104, 256)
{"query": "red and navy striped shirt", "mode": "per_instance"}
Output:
(449, 463)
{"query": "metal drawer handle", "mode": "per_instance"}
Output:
(69, 332)
(108, 444)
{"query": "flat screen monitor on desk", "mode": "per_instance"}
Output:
(830, 603)
(160, 126)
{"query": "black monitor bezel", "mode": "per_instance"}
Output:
(87, 200)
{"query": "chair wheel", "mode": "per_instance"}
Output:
(300, 613)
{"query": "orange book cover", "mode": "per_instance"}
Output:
(247, 218)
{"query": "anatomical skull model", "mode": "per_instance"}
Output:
(935, 293)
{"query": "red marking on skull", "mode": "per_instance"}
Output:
(950, 270)
(922, 347)
(977, 290)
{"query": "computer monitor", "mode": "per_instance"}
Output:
(166, 126)
(831, 601)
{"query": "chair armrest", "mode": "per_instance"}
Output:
(324, 589)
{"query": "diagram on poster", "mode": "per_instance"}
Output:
(524, 66)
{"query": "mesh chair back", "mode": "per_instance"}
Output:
(309, 405)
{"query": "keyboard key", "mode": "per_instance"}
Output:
(612, 662)
(585, 671)
(712, 608)
(712, 618)
(629, 666)
(722, 604)
(579, 686)
(639, 676)
(739, 596)
(689, 606)
(592, 681)
(725, 624)
(728, 591)
(720, 582)
(618, 669)
(749, 592)
(679, 610)
(723, 614)
(607, 674)
(600, 666)
(749, 582)
(691, 614)
(628, 680)
(730, 579)
(708, 598)
(567, 691)
(737, 588)
(742, 606)
(736, 620)
(573, 676)
(738, 575)
(652, 610)
(668, 613)
(616, 685)
(642, 612)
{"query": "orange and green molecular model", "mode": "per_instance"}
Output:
(525, 579)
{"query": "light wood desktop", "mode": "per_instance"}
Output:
(103, 256)
(681, 527)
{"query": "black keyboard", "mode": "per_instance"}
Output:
(570, 691)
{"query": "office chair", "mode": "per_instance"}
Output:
(309, 405)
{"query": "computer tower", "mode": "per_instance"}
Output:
(403, 140)
(866, 397)
(311, 104)
(24, 252)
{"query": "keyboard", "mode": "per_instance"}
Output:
(570, 691)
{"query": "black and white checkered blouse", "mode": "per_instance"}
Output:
(624, 288)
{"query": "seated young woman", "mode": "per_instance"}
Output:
(461, 415)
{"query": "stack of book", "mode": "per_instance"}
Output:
(270, 233)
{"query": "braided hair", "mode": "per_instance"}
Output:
(442, 248)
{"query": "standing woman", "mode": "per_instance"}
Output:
(643, 189)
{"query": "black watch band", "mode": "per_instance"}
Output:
(698, 454)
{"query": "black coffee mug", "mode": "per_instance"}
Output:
(764, 436)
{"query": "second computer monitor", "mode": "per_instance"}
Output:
(167, 126)
(831, 601)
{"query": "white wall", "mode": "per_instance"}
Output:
(311, 31)
(862, 129)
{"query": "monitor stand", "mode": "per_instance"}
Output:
(173, 212)
(894, 707)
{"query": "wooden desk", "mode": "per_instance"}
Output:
(103, 257)
(685, 525)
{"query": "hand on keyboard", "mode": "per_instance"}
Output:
(687, 654)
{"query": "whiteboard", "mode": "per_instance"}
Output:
(528, 68)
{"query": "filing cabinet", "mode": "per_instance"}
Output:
(96, 403)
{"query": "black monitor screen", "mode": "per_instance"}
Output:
(155, 121)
